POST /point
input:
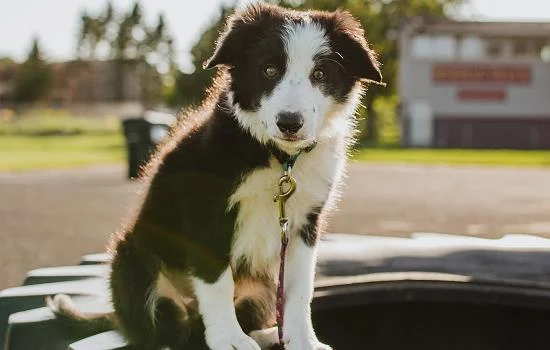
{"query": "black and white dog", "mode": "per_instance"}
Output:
(197, 268)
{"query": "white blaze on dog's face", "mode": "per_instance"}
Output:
(292, 114)
(291, 72)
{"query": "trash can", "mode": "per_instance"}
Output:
(142, 135)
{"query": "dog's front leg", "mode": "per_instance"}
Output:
(299, 276)
(222, 330)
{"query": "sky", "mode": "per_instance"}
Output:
(55, 22)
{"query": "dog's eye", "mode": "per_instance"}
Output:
(318, 74)
(271, 71)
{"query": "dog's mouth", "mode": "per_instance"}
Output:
(291, 138)
(293, 143)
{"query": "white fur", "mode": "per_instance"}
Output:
(216, 307)
(151, 302)
(298, 329)
(256, 238)
(317, 173)
(294, 92)
(266, 338)
(257, 230)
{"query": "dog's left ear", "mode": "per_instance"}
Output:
(350, 43)
(242, 28)
(229, 45)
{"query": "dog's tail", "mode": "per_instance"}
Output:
(82, 323)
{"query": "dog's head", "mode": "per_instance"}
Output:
(292, 72)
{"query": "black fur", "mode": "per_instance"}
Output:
(252, 41)
(184, 217)
(183, 226)
(347, 39)
(310, 231)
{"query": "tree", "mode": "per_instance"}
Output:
(382, 19)
(33, 78)
(130, 42)
(93, 31)
(136, 41)
(190, 88)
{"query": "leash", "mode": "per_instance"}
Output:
(287, 186)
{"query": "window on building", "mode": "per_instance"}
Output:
(494, 48)
(433, 46)
(471, 47)
(521, 47)
(545, 53)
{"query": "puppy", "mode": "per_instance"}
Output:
(197, 268)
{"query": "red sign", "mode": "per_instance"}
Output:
(482, 95)
(477, 73)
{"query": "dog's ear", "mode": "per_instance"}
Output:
(229, 45)
(349, 40)
(241, 29)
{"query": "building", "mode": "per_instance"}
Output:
(92, 87)
(103, 81)
(475, 84)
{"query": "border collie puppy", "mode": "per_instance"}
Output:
(197, 268)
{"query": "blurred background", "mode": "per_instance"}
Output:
(458, 141)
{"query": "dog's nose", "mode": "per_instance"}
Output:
(290, 122)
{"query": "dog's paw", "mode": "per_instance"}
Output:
(233, 342)
(61, 304)
(306, 345)
(321, 346)
(266, 338)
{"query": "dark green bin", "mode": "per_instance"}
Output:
(142, 135)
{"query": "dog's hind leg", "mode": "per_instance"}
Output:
(150, 320)
(255, 307)
(177, 329)
(132, 282)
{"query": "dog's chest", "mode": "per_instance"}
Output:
(257, 232)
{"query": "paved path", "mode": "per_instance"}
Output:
(52, 218)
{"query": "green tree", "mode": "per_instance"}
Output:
(93, 31)
(33, 78)
(130, 43)
(190, 88)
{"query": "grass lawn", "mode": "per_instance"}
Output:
(57, 141)
(21, 152)
(512, 158)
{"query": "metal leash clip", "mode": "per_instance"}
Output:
(287, 186)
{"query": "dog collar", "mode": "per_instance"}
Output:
(287, 161)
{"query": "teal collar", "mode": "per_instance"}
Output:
(287, 162)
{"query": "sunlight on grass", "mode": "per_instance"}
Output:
(59, 124)
(19, 153)
(49, 139)
(59, 141)
(513, 158)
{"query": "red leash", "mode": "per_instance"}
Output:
(281, 292)
(287, 186)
